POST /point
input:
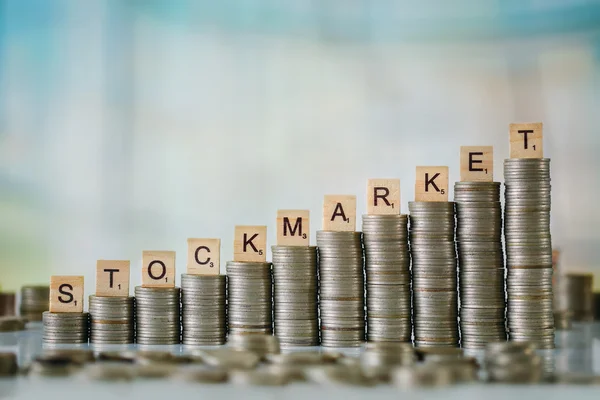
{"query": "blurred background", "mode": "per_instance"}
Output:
(133, 125)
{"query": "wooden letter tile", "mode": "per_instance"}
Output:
(526, 140)
(158, 269)
(293, 228)
(204, 256)
(383, 196)
(112, 278)
(477, 163)
(339, 213)
(431, 184)
(66, 294)
(250, 243)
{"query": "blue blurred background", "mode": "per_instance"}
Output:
(133, 125)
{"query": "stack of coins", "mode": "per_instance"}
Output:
(34, 301)
(66, 327)
(575, 294)
(377, 360)
(387, 265)
(342, 290)
(7, 304)
(295, 287)
(529, 251)
(203, 309)
(112, 320)
(260, 344)
(512, 362)
(249, 297)
(157, 315)
(481, 263)
(435, 292)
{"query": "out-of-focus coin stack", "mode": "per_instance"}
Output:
(7, 304)
(66, 327)
(157, 315)
(295, 289)
(203, 309)
(342, 290)
(512, 362)
(529, 251)
(112, 319)
(481, 263)
(575, 294)
(387, 267)
(377, 360)
(34, 301)
(260, 344)
(435, 292)
(249, 297)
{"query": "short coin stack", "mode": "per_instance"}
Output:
(112, 319)
(435, 293)
(295, 288)
(66, 327)
(250, 297)
(529, 251)
(342, 290)
(387, 262)
(203, 309)
(34, 301)
(157, 315)
(481, 263)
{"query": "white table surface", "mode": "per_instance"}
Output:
(578, 350)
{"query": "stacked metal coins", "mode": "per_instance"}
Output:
(387, 262)
(112, 319)
(66, 327)
(435, 293)
(481, 263)
(34, 301)
(529, 251)
(575, 293)
(203, 309)
(249, 297)
(295, 288)
(7, 304)
(342, 290)
(157, 315)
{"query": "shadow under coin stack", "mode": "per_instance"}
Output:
(66, 327)
(481, 263)
(34, 301)
(112, 319)
(387, 264)
(249, 297)
(435, 293)
(295, 286)
(157, 315)
(342, 290)
(529, 251)
(203, 309)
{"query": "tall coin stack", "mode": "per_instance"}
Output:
(157, 315)
(34, 301)
(112, 319)
(249, 297)
(203, 309)
(435, 292)
(66, 327)
(529, 251)
(481, 263)
(387, 262)
(295, 287)
(342, 290)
